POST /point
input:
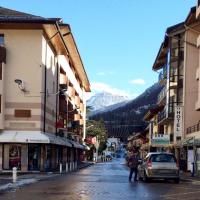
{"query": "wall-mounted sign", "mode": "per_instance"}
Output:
(178, 121)
(160, 139)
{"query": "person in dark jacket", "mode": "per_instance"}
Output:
(133, 163)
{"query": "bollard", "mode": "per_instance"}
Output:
(66, 169)
(14, 174)
(60, 168)
(75, 165)
(192, 172)
(70, 166)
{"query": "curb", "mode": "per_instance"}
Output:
(27, 181)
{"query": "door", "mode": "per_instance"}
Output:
(190, 159)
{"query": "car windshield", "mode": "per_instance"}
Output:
(162, 158)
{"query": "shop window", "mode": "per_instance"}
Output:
(34, 154)
(12, 156)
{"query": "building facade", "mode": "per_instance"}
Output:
(42, 93)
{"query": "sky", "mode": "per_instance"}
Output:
(118, 40)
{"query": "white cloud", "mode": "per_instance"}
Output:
(137, 81)
(101, 74)
(102, 87)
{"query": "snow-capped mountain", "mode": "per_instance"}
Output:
(101, 100)
(127, 117)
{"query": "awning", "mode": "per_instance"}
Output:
(188, 141)
(32, 137)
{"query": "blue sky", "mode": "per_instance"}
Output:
(118, 40)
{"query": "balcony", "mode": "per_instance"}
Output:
(162, 97)
(163, 76)
(77, 101)
(63, 79)
(166, 115)
(62, 106)
(81, 107)
(2, 54)
(162, 116)
(71, 92)
(193, 129)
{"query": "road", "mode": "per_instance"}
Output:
(106, 181)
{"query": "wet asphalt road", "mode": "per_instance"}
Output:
(107, 181)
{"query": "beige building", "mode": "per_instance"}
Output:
(42, 93)
(178, 60)
(170, 64)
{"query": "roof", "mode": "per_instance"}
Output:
(175, 27)
(8, 15)
(191, 16)
(161, 58)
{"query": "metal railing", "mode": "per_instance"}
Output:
(193, 128)
(162, 115)
(163, 74)
(161, 95)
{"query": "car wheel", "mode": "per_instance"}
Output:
(177, 180)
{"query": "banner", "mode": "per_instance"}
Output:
(178, 121)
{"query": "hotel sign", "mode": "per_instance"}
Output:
(178, 121)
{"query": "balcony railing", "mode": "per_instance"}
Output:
(194, 128)
(163, 74)
(162, 115)
(165, 114)
(161, 95)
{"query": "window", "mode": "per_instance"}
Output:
(1, 39)
(163, 158)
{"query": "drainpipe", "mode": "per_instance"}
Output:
(57, 83)
(45, 88)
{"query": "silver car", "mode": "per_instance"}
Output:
(159, 166)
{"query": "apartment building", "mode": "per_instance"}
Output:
(170, 65)
(42, 93)
(191, 142)
(178, 64)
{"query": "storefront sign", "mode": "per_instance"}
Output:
(178, 121)
(160, 140)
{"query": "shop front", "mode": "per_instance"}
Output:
(31, 152)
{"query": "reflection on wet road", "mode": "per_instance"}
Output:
(101, 182)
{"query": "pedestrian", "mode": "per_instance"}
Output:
(133, 163)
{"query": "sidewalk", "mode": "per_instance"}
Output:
(6, 182)
(186, 176)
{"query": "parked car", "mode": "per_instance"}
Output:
(159, 166)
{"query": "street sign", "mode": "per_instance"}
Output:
(178, 121)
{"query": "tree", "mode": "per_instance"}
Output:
(97, 129)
